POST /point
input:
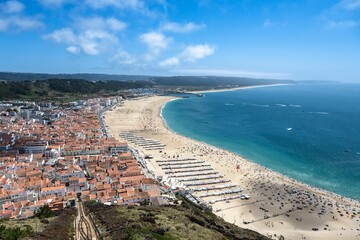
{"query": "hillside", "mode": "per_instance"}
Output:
(40, 227)
(31, 86)
(61, 228)
(63, 89)
(164, 223)
(199, 81)
(213, 81)
(14, 76)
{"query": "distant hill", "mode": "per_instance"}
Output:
(162, 81)
(12, 76)
(66, 89)
(214, 81)
(69, 87)
(164, 223)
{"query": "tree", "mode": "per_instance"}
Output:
(145, 202)
(44, 212)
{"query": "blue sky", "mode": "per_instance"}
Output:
(297, 39)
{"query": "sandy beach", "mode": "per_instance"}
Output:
(277, 206)
(237, 88)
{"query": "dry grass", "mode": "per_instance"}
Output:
(61, 228)
(35, 223)
(164, 223)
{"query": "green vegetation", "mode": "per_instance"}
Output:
(87, 87)
(37, 228)
(63, 89)
(44, 212)
(164, 223)
(93, 85)
(14, 233)
(13, 76)
(62, 228)
(36, 224)
(207, 82)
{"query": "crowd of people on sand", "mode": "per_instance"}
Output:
(281, 195)
(285, 195)
(146, 120)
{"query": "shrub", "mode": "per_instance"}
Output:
(196, 220)
(160, 231)
(44, 212)
(9, 233)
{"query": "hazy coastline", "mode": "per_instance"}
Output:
(238, 88)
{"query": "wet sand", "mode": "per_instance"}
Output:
(277, 206)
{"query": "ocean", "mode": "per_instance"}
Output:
(309, 132)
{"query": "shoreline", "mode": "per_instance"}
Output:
(268, 169)
(259, 165)
(239, 88)
(249, 160)
(255, 179)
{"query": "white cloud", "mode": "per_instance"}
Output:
(170, 62)
(25, 23)
(190, 54)
(115, 24)
(12, 6)
(97, 4)
(334, 16)
(92, 36)
(13, 19)
(349, 4)
(99, 23)
(65, 35)
(73, 49)
(195, 52)
(342, 24)
(156, 42)
(181, 28)
(94, 42)
(19, 23)
(139, 6)
(123, 57)
(90, 47)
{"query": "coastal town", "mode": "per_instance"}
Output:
(179, 120)
(119, 152)
(51, 155)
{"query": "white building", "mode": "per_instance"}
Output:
(35, 147)
(123, 147)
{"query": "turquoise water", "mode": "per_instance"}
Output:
(310, 132)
